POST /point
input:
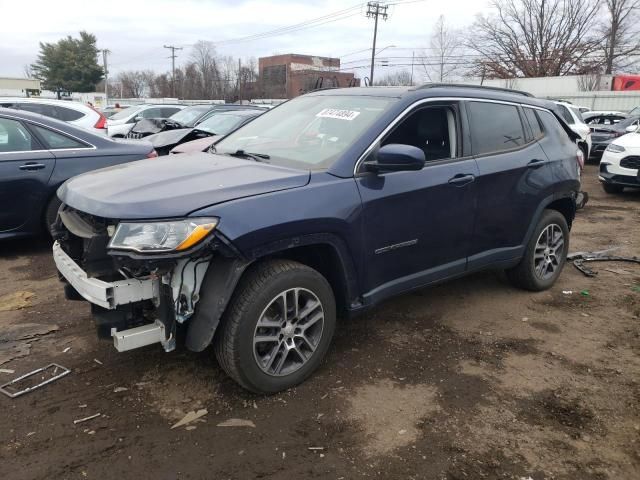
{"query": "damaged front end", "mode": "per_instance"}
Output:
(143, 279)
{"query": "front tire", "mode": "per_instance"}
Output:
(545, 255)
(278, 326)
(611, 188)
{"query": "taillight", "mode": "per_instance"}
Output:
(580, 158)
(102, 122)
(152, 154)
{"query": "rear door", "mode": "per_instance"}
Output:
(25, 169)
(514, 177)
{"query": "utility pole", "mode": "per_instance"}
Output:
(375, 10)
(173, 67)
(239, 82)
(413, 58)
(105, 53)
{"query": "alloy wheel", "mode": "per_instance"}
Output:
(548, 252)
(288, 332)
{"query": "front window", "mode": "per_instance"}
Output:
(190, 115)
(309, 132)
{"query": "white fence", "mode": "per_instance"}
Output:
(618, 101)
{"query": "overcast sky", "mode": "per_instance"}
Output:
(136, 30)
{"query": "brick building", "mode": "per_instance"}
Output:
(290, 75)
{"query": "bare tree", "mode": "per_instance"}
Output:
(589, 82)
(203, 56)
(27, 72)
(134, 83)
(621, 31)
(536, 38)
(399, 78)
(439, 62)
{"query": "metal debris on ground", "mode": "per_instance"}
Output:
(86, 419)
(190, 417)
(579, 259)
(120, 389)
(23, 384)
(98, 361)
(7, 370)
(237, 422)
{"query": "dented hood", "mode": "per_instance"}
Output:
(173, 187)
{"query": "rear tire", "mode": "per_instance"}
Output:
(277, 328)
(545, 255)
(51, 213)
(611, 188)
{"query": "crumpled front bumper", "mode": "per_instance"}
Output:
(108, 295)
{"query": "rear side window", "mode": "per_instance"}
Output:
(495, 127)
(68, 114)
(534, 123)
(57, 141)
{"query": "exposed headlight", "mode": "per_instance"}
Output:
(157, 237)
(612, 147)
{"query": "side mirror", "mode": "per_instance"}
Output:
(632, 128)
(395, 158)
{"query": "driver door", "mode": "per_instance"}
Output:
(418, 224)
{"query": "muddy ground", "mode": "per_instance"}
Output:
(468, 380)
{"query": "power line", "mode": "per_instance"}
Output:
(173, 67)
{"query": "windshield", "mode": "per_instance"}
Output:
(635, 111)
(309, 132)
(126, 113)
(221, 123)
(190, 115)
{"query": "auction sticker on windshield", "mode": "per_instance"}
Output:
(338, 114)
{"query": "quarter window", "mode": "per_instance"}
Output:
(495, 127)
(534, 123)
(57, 141)
(14, 137)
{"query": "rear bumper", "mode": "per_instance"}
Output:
(107, 295)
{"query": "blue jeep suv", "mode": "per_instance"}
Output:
(321, 207)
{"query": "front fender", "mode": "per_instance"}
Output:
(217, 288)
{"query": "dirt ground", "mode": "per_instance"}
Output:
(472, 379)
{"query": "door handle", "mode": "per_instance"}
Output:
(535, 163)
(32, 166)
(461, 179)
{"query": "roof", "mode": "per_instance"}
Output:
(440, 90)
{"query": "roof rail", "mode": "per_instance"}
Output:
(485, 87)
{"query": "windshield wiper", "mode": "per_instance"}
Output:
(258, 157)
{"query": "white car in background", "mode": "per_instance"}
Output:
(75, 113)
(620, 163)
(119, 124)
(573, 116)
